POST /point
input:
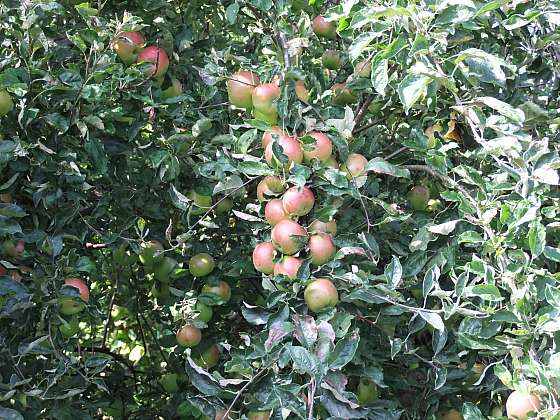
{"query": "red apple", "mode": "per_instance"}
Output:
(288, 267)
(68, 305)
(520, 404)
(298, 202)
(355, 165)
(263, 256)
(324, 29)
(322, 149)
(188, 336)
(127, 45)
(320, 294)
(240, 88)
(158, 57)
(321, 248)
(264, 102)
(290, 146)
(274, 212)
(288, 237)
(269, 186)
(327, 227)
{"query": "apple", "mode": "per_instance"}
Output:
(320, 294)
(160, 291)
(367, 391)
(188, 336)
(158, 57)
(324, 29)
(519, 404)
(223, 291)
(267, 136)
(6, 198)
(69, 328)
(258, 415)
(263, 256)
(201, 201)
(6, 103)
(208, 358)
(301, 91)
(288, 267)
(342, 95)
(240, 88)
(201, 265)
(127, 45)
(68, 305)
(327, 227)
(224, 206)
(321, 248)
(169, 383)
(497, 411)
(451, 415)
(331, 60)
(288, 237)
(290, 146)
(321, 149)
(3, 270)
(205, 312)
(418, 197)
(13, 250)
(264, 97)
(269, 185)
(363, 68)
(151, 251)
(355, 165)
(164, 268)
(274, 212)
(175, 89)
(221, 415)
(298, 202)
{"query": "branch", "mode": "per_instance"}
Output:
(259, 373)
(285, 49)
(362, 110)
(365, 127)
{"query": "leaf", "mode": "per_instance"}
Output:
(430, 278)
(483, 66)
(10, 414)
(553, 254)
(12, 210)
(231, 13)
(444, 228)
(411, 89)
(441, 377)
(381, 166)
(336, 177)
(471, 412)
(487, 292)
(344, 351)
(514, 114)
(360, 43)
(178, 199)
(276, 334)
(433, 319)
(393, 273)
(305, 330)
(254, 168)
(303, 361)
(254, 314)
(537, 239)
(379, 75)
(201, 379)
(202, 125)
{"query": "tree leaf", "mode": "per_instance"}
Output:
(344, 351)
(411, 89)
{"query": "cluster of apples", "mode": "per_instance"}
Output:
(130, 47)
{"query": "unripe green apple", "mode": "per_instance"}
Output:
(331, 60)
(363, 68)
(451, 415)
(258, 415)
(205, 312)
(367, 391)
(175, 89)
(127, 45)
(151, 252)
(342, 95)
(320, 294)
(208, 358)
(164, 268)
(201, 265)
(69, 328)
(418, 197)
(6, 103)
(202, 202)
(224, 206)
(324, 29)
(169, 383)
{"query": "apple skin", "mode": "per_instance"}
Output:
(169, 383)
(324, 29)
(209, 358)
(363, 68)
(258, 415)
(224, 206)
(205, 312)
(6, 103)
(263, 256)
(355, 165)
(331, 60)
(326, 227)
(301, 91)
(367, 391)
(175, 89)
(418, 197)
(69, 306)
(288, 267)
(274, 212)
(164, 268)
(290, 146)
(127, 45)
(283, 237)
(158, 57)
(298, 202)
(222, 290)
(201, 265)
(13, 250)
(151, 252)
(321, 248)
(264, 97)
(188, 336)
(320, 294)
(202, 202)
(269, 185)
(240, 88)
(520, 404)
(342, 95)
(451, 415)
(267, 136)
(321, 150)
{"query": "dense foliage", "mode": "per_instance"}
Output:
(446, 287)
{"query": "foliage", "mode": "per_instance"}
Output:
(462, 99)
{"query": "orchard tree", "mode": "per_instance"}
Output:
(263, 209)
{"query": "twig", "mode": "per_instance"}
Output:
(365, 127)
(362, 110)
(285, 49)
(396, 152)
(311, 398)
(109, 311)
(259, 373)
(369, 225)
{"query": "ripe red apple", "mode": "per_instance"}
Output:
(363, 68)
(175, 89)
(322, 149)
(70, 306)
(127, 45)
(321, 248)
(288, 267)
(156, 55)
(208, 358)
(222, 290)
(263, 256)
(264, 97)
(320, 294)
(355, 165)
(326, 227)
(267, 136)
(418, 197)
(301, 91)
(201, 265)
(274, 212)
(288, 237)
(342, 95)
(331, 60)
(269, 185)
(6, 103)
(290, 146)
(324, 29)
(298, 202)
(188, 336)
(240, 88)
(520, 404)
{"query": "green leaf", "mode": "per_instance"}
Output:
(10, 414)
(487, 292)
(202, 125)
(411, 89)
(344, 351)
(380, 74)
(444, 228)
(336, 178)
(471, 412)
(393, 273)
(231, 13)
(178, 199)
(381, 166)
(360, 43)
(514, 114)
(537, 239)
(551, 253)
(303, 361)
(252, 168)
(276, 333)
(433, 319)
